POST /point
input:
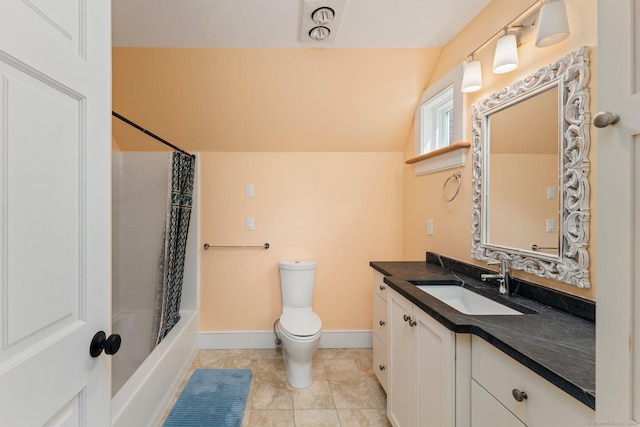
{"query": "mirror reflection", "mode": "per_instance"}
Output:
(523, 174)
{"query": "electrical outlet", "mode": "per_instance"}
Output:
(430, 227)
(249, 190)
(250, 223)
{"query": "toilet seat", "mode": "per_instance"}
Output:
(300, 324)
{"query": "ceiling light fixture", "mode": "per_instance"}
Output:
(319, 33)
(323, 15)
(320, 21)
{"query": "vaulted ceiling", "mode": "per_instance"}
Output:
(222, 75)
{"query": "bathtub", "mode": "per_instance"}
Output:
(144, 397)
(135, 329)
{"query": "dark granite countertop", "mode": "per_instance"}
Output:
(556, 345)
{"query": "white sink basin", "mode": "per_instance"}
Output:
(466, 301)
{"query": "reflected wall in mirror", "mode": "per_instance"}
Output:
(523, 173)
(530, 173)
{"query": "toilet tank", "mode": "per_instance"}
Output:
(296, 281)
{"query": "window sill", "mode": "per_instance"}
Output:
(452, 156)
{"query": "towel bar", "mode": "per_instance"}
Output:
(208, 246)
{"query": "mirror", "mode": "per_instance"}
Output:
(530, 173)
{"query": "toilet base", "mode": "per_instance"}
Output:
(297, 356)
(298, 373)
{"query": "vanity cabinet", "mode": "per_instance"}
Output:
(421, 367)
(494, 378)
(380, 329)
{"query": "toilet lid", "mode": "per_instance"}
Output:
(302, 323)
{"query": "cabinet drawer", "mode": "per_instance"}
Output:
(488, 412)
(379, 287)
(380, 361)
(545, 405)
(380, 327)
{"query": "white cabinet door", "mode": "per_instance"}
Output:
(421, 368)
(55, 154)
(400, 403)
(434, 369)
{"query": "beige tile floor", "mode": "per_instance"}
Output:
(344, 392)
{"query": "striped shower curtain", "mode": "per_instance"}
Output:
(171, 269)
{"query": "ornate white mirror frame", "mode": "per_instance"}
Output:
(571, 263)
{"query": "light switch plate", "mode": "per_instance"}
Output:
(551, 226)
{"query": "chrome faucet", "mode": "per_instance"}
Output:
(504, 276)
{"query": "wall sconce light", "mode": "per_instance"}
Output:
(472, 76)
(553, 25)
(506, 57)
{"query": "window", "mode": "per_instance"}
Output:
(439, 117)
(440, 121)
(437, 121)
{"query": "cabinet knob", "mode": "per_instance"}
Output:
(519, 395)
(381, 323)
(383, 287)
(406, 318)
(381, 367)
(412, 323)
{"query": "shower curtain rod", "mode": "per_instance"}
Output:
(152, 135)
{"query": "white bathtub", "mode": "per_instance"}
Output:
(144, 397)
(135, 330)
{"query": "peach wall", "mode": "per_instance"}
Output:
(422, 195)
(340, 209)
(320, 134)
(254, 100)
(524, 198)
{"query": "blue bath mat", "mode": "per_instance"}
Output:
(212, 397)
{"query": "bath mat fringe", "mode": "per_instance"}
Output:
(213, 398)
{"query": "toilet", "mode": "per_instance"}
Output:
(299, 327)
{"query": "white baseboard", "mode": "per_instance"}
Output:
(266, 339)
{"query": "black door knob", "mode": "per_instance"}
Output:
(100, 342)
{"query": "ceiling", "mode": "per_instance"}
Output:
(276, 23)
(268, 96)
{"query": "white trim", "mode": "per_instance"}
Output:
(266, 339)
(451, 159)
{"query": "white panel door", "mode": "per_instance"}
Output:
(55, 231)
(618, 215)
